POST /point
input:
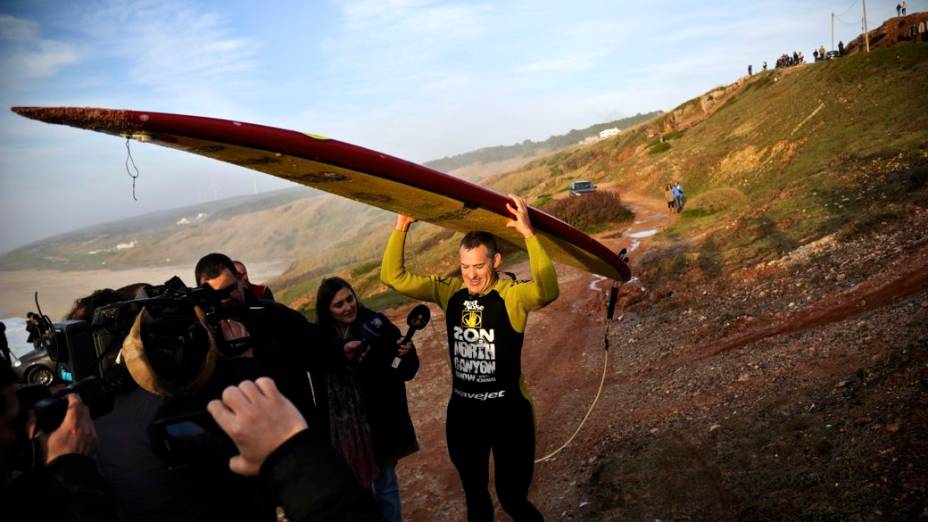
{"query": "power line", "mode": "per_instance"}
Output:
(848, 9)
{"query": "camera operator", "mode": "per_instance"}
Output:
(310, 480)
(68, 486)
(260, 339)
(283, 343)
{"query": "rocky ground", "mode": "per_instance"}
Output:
(795, 389)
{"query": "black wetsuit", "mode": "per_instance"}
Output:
(490, 408)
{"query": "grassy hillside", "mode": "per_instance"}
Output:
(157, 237)
(530, 148)
(770, 162)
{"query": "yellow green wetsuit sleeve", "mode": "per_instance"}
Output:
(521, 297)
(424, 288)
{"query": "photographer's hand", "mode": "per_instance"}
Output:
(75, 435)
(258, 419)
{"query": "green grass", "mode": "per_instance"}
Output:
(658, 147)
(542, 200)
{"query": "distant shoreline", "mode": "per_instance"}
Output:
(58, 289)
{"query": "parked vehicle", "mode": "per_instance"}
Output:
(35, 367)
(581, 186)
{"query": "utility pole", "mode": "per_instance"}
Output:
(832, 31)
(866, 33)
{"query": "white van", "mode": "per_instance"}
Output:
(581, 186)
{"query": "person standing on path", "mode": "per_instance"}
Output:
(677, 191)
(490, 408)
(4, 346)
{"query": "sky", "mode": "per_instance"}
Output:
(417, 79)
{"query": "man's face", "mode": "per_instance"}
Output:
(226, 279)
(478, 269)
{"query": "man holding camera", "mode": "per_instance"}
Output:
(253, 339)
(282, 342)
(64, 470)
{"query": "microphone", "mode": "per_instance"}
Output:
(416, 320)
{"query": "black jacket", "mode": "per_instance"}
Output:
(312, 482)
(294, 353)
(69, 489)
(383, 389)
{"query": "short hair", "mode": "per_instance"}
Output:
(475, 238)
(237, 262)
(84, 307)
(212, 265)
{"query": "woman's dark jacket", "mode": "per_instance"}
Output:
(383, 389)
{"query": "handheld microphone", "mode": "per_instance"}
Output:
(416, 320)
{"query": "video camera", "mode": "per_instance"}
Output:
(178, 328)
(82, 349)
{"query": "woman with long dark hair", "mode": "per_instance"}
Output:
(369, 420)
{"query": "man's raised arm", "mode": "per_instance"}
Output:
(543, 288)
(393, 270)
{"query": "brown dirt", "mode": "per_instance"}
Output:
(894, 31)
(724, 399)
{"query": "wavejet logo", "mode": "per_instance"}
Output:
(480, 396)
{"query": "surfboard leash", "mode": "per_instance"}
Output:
(131, 160)
(610, 313)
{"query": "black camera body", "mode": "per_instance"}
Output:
(85, 355)
(50, 411)
(82, 349)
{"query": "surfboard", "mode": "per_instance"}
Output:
(347, 170)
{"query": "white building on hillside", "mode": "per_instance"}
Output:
(608, 133)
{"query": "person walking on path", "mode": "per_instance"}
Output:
(490, 408)
(670, 197)
(678, 197)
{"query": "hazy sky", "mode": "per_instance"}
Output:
(418, 79)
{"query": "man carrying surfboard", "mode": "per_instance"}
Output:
(490, 408)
